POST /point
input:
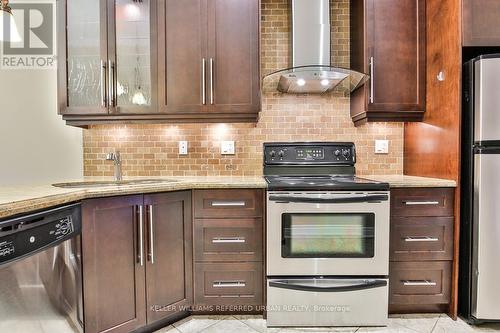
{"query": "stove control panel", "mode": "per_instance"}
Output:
(309, 153)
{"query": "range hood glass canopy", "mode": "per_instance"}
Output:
(313, 79)
(311, 71)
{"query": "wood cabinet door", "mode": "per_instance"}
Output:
(169, 251)
(113, 277)
(233, 62)
(82, 54)
(480, 22)
(395, 34)
(182, 56)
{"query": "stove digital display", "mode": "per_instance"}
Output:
(308, 154)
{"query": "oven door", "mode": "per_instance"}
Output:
(328, 234)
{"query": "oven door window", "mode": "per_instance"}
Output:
(328, 235)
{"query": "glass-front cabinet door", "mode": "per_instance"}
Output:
(328, 235)
(132, 46)
(110, 52)
(82, 56)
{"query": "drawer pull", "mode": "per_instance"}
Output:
(229, 284)
(421, 239)
(417, 203)
(228, 240)
(227, 203)
(418, 283)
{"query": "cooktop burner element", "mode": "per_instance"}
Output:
(314, 166)
(323, 183)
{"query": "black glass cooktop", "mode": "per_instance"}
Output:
(324, 182)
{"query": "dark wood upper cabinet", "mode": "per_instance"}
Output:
(480, 22)
(159, 61)
(388, 42)
(233, 57)
(169, 269)
(113, 278)
(209, 64)
(137, 260)
(182, 56)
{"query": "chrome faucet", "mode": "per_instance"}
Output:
(116, 158)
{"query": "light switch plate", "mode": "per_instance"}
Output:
(381, 146)
(227, 147)
(183, 147)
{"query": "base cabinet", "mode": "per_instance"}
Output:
(137, 260)
(228, 247)
(111, 267)
(421, 250)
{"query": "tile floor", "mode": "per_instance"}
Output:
(255, 324)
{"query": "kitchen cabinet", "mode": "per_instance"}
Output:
(388, 42)
(158, 61)
(130, 247)
(421, 249)
(228, 247)
(113, 277)
(209, 64)
(480, 23)
(107, 52)
(169, 254)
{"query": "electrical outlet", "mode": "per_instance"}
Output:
(183, 147)
(381, 146)
(227, 147)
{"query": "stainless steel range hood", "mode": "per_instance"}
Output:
(311, 71)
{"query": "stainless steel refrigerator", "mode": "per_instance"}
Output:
(479, 271)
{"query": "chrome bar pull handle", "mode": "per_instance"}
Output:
(203, 81)
(218, 240)
(227, 203)
(211, 81)
(419, 203)
(103, 84)
(151, 235)
(418, 283)
(372, 78)
(421, 239)
(141, 235)
(111, 83)
(229, 284)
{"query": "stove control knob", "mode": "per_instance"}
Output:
(337, 153)
(346, 153)
(273, 153)
(281, 154)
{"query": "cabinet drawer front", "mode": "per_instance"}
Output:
(422, 202)
(420, 282)
(421, 238)
(228, 239)
(228, 203)
(228, 284)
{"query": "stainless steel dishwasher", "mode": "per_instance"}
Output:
(40, 272)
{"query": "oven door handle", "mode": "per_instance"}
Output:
(356, 199)
(360, 286)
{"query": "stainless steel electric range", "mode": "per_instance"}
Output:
(327, 238)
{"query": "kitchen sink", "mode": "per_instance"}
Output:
(91, 184)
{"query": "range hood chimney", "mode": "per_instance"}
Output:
(311, 70)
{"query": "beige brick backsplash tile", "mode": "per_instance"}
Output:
(152, 150)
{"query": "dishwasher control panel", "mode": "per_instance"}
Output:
(21, 237)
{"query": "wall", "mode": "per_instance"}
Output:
(151, 150)
(35, 144)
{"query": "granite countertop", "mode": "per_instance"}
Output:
(411, 181)
(21, 199)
